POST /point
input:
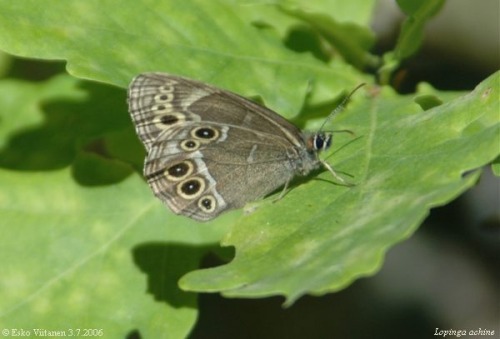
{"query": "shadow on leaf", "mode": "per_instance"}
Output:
(94, 136)
(165, 264)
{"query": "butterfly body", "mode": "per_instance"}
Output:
(210, 150)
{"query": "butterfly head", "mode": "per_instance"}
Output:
(314, 144)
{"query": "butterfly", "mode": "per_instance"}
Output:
(210, 150)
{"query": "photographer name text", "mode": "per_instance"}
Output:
(41, 332)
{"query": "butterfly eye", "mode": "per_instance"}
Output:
(322, 141)
(318, 142)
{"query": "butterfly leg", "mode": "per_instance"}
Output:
(335, 175)
(283, 192)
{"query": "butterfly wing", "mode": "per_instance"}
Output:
(209, 150)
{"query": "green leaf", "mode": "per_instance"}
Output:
(69, 259)
(358, 12)
(113, 44)
(45, 124)
(412, 33)
(352, 41)
(87, 246)
(411, 36)
(404, 162)
(496, 165)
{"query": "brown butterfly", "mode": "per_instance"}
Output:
(210, 150)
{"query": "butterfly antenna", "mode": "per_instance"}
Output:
(340, 107)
